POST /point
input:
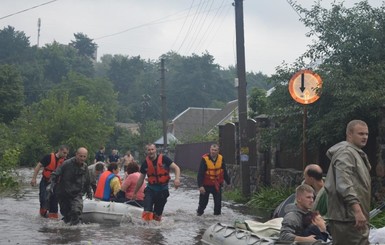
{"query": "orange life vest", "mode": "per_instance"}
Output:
(214, 174)
(52, 166)
(103, 189)
(158, 175)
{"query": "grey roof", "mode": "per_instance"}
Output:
(170, 138)
(199, 121)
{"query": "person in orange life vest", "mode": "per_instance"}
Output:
(211, 175)
(109, 183)
(128, 187)
(49, 163)
(157, 168)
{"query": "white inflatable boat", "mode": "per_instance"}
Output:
(96, 211)
(252, 232)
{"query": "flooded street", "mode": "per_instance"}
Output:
(21, 224)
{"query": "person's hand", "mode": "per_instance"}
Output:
(176, 183)
(49, 188)
(89, 195)
(361, 222)
(134, 197)
(202, 190)
(33, 182)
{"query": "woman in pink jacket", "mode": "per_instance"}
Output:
(128, 186)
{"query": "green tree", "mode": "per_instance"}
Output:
(14, 46)
(257, 102)
(11, 93)
(97, 91)
(84, 45)
(133, 78)
(59, 59)
(348, 51)
(197, 78)
(60, 119)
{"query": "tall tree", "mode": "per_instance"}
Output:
(11, 93)
(14, 46)
(84, 45)
(97, 91)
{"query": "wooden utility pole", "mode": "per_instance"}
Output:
(242, 100)
(164, 108)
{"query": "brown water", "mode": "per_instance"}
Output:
(21, 224)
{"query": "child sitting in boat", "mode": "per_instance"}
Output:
(315, 225)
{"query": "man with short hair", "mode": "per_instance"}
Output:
(157, 168)
(100, 155)
(348, 186)
(95, 170)
(211, 175)
(72, 180)
(292, 223)
(49, 163)
(313, 177)
(114, 157)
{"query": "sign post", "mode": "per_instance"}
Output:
(305, 88)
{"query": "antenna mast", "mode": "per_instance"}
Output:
(38, 31)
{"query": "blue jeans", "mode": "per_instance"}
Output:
(52, 203)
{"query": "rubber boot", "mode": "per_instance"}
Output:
(43, 212)
(147, 216)
(74, 220)
(53, 216)
(157, 218)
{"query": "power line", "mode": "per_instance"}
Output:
(27, 9)
(156, 21)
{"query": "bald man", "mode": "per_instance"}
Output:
(74, 179)
(313, 177)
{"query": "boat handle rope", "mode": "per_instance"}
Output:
(221, 227)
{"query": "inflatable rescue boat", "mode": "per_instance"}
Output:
(97, 211)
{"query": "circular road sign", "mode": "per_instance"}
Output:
(305, 87)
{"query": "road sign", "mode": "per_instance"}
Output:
(305, 87)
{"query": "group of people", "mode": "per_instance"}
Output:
(65, 181)
(343, 198)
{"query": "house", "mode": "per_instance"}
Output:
(195, 121)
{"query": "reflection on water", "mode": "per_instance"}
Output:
(21, 224)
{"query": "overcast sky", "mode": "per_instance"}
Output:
(150, 28)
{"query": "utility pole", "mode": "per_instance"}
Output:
(164, 108)
(242, 99)
(38, 31)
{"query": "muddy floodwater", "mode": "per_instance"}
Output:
(21, 224)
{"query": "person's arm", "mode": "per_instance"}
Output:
(177, 174)
(138, 185)
(225, 173)
(200, 175)
(35, 173)
(125, 184)
(115, 185)
(289, 227)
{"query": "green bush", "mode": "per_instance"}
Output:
(235, 195)
(8, 163)
(268, 198)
